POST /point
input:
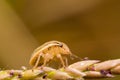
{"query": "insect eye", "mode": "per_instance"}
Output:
(60, 45)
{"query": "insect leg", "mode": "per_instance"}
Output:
(37, 62)
(61, 59)
(45, 61)
(66, 61)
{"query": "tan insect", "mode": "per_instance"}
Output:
(48, 51)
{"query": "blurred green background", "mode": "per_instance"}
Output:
(91, 28)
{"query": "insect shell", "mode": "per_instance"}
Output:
(48, 51)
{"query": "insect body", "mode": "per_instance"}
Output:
(48, 51)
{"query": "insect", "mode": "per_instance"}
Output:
(48, 51)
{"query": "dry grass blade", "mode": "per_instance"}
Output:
(107, 65)
(76, 71)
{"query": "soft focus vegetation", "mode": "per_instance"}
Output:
(89, 27)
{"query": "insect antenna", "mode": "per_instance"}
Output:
(73, 56)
